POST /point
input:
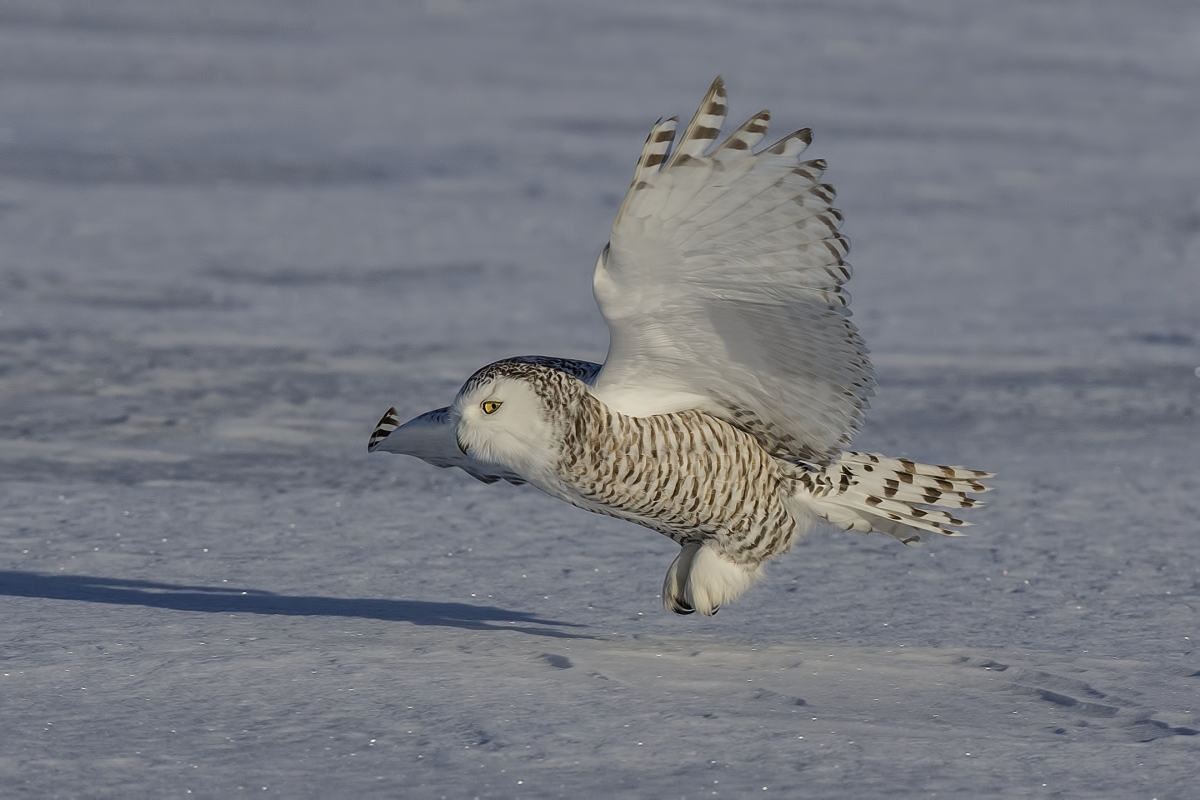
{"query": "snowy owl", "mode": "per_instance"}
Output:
(733, 381)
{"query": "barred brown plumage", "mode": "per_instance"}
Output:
(686, 475)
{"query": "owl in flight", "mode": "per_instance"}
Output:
(733, 381)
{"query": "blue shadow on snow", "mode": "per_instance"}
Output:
(229, 600)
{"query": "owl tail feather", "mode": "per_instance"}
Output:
(700, 579)
(868, 492)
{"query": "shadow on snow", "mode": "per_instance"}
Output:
(209, 599)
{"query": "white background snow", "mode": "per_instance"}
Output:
(233, 233)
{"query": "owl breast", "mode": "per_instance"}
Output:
(686, 475)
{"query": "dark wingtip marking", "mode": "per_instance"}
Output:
(778, 148)
(383, 428)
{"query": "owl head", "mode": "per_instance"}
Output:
(514, 414)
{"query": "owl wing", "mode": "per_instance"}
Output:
(722, 289)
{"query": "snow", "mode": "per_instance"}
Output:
(233, 233)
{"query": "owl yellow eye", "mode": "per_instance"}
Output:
(490, 406)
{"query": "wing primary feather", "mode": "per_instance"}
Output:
(780, 148)
(654, 153)
(744, 138)
(704, 128)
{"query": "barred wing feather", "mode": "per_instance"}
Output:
(722, 286)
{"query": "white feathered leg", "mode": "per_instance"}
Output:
(701, 579)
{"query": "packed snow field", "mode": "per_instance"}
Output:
(233, 233)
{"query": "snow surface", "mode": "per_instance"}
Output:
(232, 233)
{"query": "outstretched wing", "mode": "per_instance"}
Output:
(722, 288)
